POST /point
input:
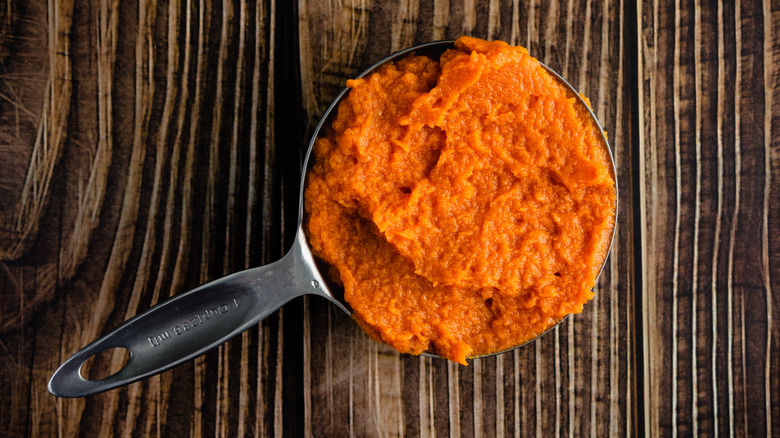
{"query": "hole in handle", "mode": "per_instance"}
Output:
(105, 364)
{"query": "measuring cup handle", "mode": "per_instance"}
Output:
(186, 326)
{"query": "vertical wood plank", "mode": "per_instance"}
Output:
(577, 379)
(148, 131)
(710, 348)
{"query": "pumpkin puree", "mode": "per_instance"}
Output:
(466, 204)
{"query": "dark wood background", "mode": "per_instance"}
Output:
(148, 146)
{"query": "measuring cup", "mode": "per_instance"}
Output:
(189, 324)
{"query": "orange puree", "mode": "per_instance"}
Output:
(466, 204)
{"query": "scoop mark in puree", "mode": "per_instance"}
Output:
(466, 204)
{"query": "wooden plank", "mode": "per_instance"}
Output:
(144, 112)
(579, 378)
(708, 82)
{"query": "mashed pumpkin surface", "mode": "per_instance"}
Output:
(466, 203)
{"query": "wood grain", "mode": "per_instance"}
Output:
(579, 378)
(148, 146)
(709, 171)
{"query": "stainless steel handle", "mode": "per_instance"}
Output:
(189, 324)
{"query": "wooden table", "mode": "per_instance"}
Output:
(148, 146)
